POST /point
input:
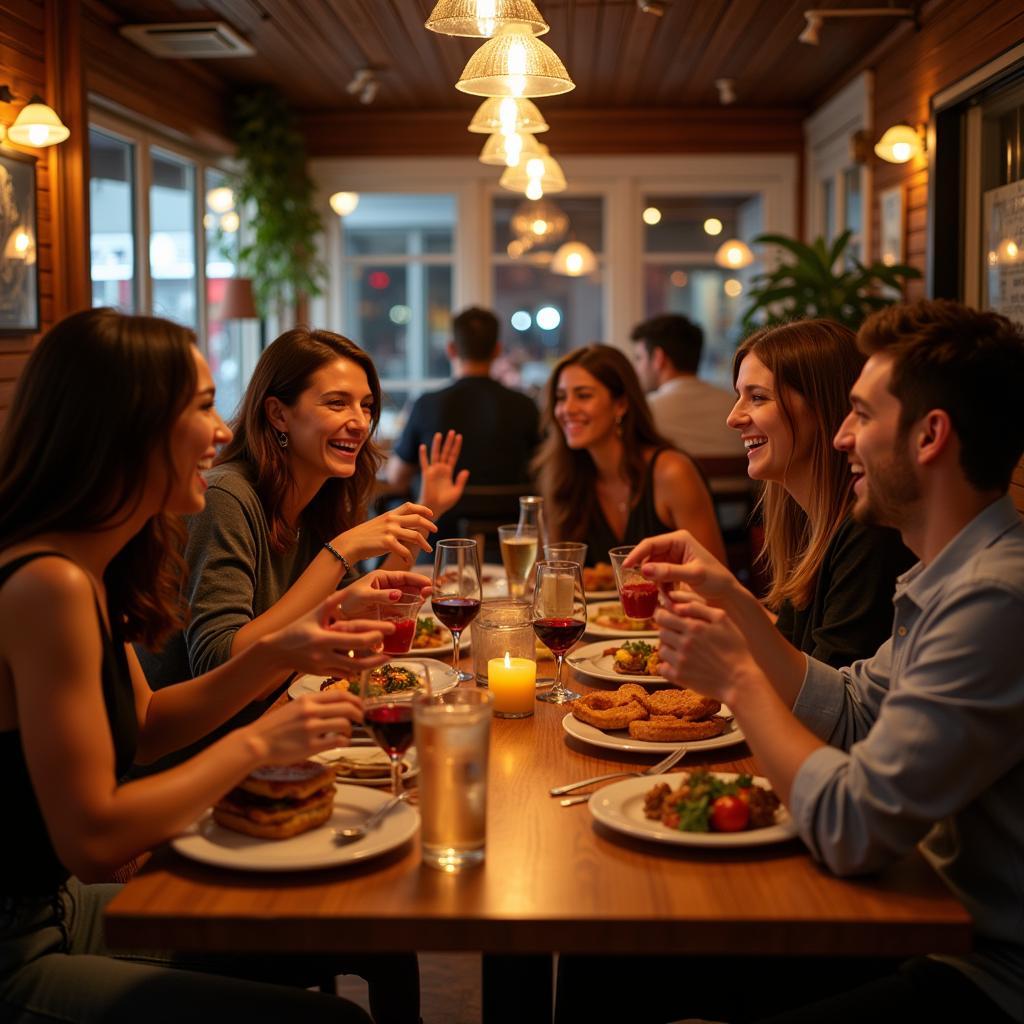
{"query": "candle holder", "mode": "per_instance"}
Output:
(503, 626)
(512, 683)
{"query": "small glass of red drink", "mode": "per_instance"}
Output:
(402, 613)
(638, 596)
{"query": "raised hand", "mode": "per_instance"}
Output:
(440, 486)
(677, 558)
(398, 532)
(313, 722)
(376, 588)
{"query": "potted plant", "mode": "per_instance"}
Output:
(281, 254)
(810, 285)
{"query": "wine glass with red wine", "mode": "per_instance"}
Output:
(390, 723)
(457, 590)
(559, 617)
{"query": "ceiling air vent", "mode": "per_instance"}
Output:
(189, 39)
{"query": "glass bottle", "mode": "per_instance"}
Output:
(531, 513)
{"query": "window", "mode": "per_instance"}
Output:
(543, 315)
(681, 276)
(397, 255)
(112, 221)
(172, 238)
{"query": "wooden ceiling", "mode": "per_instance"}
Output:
(618, 56)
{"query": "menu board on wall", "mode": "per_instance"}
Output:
(1004, 250)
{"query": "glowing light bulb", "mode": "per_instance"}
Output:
(513, 145)
(508, 114)
(517, 67)
(535, 167)
(534, 190)
(652, 215)
(539, 226)
(220, 199)
(901, 152)
(712, 226)
(733, 288)
(21, 242)
(733, 256)
(229, 222)
(574, 263)
(38, 134)
(486, 21)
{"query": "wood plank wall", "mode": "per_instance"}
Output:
(23, 68)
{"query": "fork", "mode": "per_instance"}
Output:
(344, 835)
(655, 769)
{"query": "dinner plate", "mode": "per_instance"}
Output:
(445, 647)
(594, 628)
(442, 679)
(590, 660)
(621, 740)
(620, 806)
(208, 842)
(493, 580)
(369, 754)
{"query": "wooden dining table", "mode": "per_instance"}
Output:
(554, 880)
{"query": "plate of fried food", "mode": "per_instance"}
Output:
(599, 581)
(401, 679)
(608, 619)
(619, 660)
(696, 808)
(366, 766)
(633, 719)
(283, 817)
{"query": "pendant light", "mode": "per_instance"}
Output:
(535, 176)
(507, 114)
(539, 223)
(514, 63)
(574, 259)
(344, 203)
(734, 254)
(482, 18)
(508, 150)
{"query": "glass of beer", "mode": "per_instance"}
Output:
(452, 732)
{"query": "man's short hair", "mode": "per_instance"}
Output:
(966, 362)
(475, 333)
(680, 339)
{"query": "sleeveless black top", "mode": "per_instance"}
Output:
(643, 521)
(29, 865)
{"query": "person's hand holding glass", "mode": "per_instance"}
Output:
(559, 617)
(457, 590)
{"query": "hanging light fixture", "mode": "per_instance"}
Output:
(734, 254)
(506, 114)
(220, 199)
(482, 18)
(535, 176)
(539, 223)
(514, 63)
(343, 203)
(508, 150)
(574, 259)
(37, 125)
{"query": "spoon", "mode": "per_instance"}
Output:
(358, 831)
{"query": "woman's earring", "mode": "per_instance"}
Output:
(618, 427)
(282, 439)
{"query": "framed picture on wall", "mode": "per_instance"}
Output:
(19, 272)
(891, 224)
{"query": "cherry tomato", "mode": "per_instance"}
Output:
(729, 814)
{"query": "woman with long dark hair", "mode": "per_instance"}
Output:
(607, 476)
(90, 488)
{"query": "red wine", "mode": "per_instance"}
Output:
(639, 600)
(391, 725)
(456, 612)
(401, 640)
(558, 634)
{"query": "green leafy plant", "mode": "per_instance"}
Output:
(281, 257)
(808, 286)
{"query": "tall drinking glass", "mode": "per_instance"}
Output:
(518, 553)
(559, 617)
(566, 551)
(457, 590)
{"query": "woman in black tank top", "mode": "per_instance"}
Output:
(607, 475)
(89, 488)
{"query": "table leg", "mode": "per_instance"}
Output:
(516, 988)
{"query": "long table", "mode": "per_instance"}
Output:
(553, 881)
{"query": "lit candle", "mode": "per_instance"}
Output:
(512, 681)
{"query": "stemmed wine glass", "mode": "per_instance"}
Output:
(390, 722)
(559, 617)
(457, 590)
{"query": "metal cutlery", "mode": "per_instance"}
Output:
(342, 835)
(655, 769)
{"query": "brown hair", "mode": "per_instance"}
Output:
(100, 393)
(284, 371)
(818, 360)
(568, 477)
(680, 339)
(969, 363)
(475, 333)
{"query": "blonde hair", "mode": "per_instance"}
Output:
(818, 360)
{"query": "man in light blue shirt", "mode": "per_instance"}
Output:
(922, 744)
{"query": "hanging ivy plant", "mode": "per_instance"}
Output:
(281, 256)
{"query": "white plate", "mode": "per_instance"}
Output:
(358, 755)
(590, 660)
(442, 679)
(207, 842)
(596, 629)
(494, 580)
(620, 806)
(446, 645)
(621, 740)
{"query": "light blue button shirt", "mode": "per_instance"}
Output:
(926, 743)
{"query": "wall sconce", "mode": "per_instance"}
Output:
(901, 143)
(36, 125)
(734, 254)
(343, 203)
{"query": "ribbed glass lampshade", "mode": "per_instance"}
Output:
(574, 259)
(548, 174)
(509, 150)
(514, 63)
(507, 114)
(539, 223)
(482, 18)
